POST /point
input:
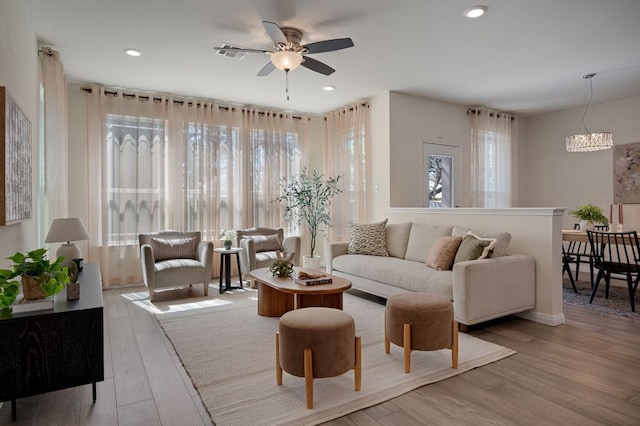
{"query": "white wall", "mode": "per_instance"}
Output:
(554, 177)
(19, 74)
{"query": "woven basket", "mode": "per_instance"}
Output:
(31, 289)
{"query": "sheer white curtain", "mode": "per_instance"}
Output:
(345, 136)
(54, 182)
(163, 163)
(491, 145)
(277, 142)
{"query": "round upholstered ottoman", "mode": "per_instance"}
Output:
(315, 343)
(420, 321)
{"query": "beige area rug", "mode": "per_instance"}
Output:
(229, 353)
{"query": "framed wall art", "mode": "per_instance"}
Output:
(626, 173)
(15, 162)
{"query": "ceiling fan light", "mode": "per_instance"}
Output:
(589, 142)
(285, 60)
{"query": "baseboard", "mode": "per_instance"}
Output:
(542, 318)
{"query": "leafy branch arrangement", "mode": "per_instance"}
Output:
(308, 199)
(52, 276)
(589, 213)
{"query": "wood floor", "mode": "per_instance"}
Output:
(584, 372)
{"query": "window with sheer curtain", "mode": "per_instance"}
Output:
(491, 145)
(345, 140)
(164, 164)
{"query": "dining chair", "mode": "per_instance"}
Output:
(566, 261)
(616, 255)
(578, 252)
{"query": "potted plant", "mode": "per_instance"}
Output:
(589, 215)
(308, 198)
(227, 238)
(40, 277)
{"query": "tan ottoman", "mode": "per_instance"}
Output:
(315, 343)
(420, 321)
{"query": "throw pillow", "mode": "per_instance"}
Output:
(368, 239)
(473, 247)
(173, 248)
(442, 253)
(265, 242)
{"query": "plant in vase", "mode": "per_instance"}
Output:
(589, 214)
(40, 277)
(227, 237)
(308, 198)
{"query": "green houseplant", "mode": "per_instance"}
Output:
(308, 198)
(34, 265)
(590, 214)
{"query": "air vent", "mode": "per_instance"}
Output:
(230, 54)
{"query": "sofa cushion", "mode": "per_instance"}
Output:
(368, 238)
(265, 242)
(397, 235)
(404, 274)
(174, 248)
(422, 238)
(473, 247)
(503, 239)
(442, 253)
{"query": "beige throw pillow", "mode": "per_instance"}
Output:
(265, 242)
(442, 253)
(368, 238)
(473, 247)
(174, 248)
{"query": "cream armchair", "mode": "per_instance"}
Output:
(259, 246)
(175, 259)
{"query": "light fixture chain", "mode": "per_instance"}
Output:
(584, 115)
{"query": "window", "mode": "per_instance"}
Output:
(135, 190)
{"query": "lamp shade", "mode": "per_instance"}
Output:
(67, 229)
(589, 142)
(286, 60)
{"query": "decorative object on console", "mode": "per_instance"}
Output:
(308, 199)
(73, 288)
(587, 141)
(589, 215)
(65, 231)
(40, 277)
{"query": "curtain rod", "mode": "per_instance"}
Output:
(491, 114)
(179, 102)
(364, 104)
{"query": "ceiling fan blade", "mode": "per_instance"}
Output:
(317, 66)
(274, 32)
(266, 70)
(240, 49)
(329, 45)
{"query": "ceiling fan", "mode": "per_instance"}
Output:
(289, 54)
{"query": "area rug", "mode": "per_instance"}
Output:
(617, 303)
(229, 354)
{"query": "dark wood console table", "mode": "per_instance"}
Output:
(54, 349)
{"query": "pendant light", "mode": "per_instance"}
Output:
(587, 141)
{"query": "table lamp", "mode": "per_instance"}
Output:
(65, 231)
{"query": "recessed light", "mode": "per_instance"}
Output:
(475, 11)
(328, 88)
(133, 52)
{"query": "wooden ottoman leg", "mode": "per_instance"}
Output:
(454, 345)
(387, 343)
(358, 367)
(278, 367)
(407, 347)
(308, 377)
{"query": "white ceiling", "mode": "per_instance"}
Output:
(523, 56)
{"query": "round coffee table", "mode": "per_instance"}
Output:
(276, 295)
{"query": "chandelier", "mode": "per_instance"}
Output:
(589, 142)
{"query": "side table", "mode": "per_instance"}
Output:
(225, 267)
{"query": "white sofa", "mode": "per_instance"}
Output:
(481, 290)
